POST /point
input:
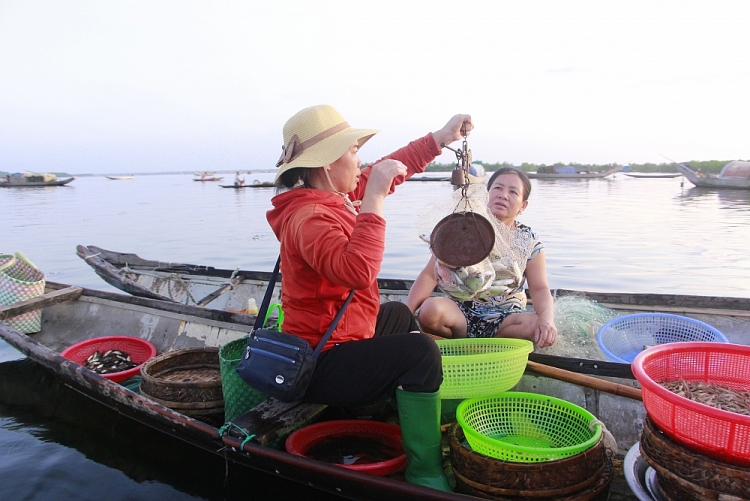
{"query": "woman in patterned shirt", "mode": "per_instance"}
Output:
(502, 315)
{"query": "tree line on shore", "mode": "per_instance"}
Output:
(712, 166)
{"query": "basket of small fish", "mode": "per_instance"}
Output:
(474, 367)
(116, 358)
(622, 338)
(698, 394)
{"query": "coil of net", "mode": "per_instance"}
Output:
(578, 320)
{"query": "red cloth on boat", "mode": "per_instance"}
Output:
(326, 251)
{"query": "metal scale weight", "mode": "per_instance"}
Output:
(463, 238)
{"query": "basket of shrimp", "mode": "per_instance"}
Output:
(698, 394)
(476, 367)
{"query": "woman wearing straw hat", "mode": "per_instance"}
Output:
(328, 218)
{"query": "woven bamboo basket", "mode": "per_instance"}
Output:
(188, 381)
(583, 476)
(674, 488)
(688, 470)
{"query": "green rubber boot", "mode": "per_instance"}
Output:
(419, 414)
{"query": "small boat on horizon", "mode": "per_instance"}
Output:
(254, 184)
(654, 175)
(119, 178)
(32, 180)
(571, 172)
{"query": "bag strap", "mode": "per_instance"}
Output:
(330, 330)
(260, 320)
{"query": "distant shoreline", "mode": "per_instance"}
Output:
(712, 166)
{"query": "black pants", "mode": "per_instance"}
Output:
(369, 371)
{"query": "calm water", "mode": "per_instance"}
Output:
(614, 234)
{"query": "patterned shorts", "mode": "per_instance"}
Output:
(478, 323)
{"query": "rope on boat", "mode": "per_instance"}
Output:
(226, 427)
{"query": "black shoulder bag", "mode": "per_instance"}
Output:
(279, 364)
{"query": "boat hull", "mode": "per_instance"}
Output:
(38, 184)
(703, 181)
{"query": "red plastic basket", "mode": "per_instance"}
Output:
(140, 351)
(301, 442)
(713, 432)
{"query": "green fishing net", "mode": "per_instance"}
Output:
(578, 319)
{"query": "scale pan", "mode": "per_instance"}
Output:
(462, 239)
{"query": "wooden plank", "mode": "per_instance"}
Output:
(43, 301)
(273, 419)
(585, 365)
(588, 381)
(221, 290)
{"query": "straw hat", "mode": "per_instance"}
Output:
(317, 136)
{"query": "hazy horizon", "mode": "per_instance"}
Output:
(168, 86)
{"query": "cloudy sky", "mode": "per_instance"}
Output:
(148, 86)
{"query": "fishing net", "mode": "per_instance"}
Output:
(578, 319)
(502, 272)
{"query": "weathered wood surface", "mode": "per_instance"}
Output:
(273, 419)
(43, 301)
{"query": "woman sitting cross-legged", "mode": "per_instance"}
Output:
(499, 313)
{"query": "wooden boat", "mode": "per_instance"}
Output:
(428, 178)
(30, 180)
(652, 175)
(572, 172)
(71, 314)
(119, 178)
(735, 175)
(207, 173)
(205, 179)
(254, 184)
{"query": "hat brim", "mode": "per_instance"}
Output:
(328, 150)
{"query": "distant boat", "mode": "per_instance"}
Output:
(119, 178)
(475, 175)
(427, 178)
(32, 180)
(213, 178)
(735, 175)
(648, 175)
(207, 173)
(255, 184)
(570, 172)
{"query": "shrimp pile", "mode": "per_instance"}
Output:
(713, 395)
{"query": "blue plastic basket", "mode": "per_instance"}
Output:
(625, 337)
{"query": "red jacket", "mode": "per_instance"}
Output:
(326, 251)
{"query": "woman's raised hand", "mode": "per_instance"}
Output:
(456, 128)
(381, 176)
(379, 184)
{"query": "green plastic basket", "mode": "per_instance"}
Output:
(476, 367)
(527, 427)
(239, 397)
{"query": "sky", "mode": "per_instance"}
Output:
(160, 86)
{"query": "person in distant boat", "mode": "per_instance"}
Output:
(328, 217)
(203, 176)
(502, 313)
(238, 179)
